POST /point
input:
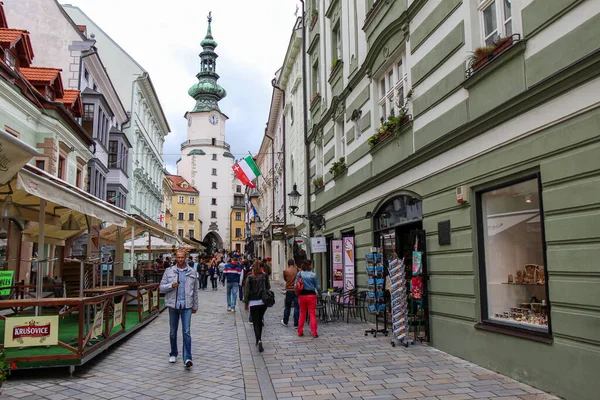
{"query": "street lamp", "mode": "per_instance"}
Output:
(258, 223)
(294, 197)
(318, 220)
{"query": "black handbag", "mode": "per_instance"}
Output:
(268, 297)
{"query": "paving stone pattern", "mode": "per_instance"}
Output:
(340, 364)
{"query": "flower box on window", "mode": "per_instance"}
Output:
(484, 55)
(372, 10)
(318, 183)
(315, 17)
(315, 98)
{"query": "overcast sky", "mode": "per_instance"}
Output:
(164, 37)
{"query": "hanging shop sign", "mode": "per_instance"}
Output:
(6, 279)
(300, 241)
(318, 245)
(348, 263)
(277, 232)
(118, 314)
(14, 154)
(338, 263)
(31, 331)
(98, 324)
(146, 301)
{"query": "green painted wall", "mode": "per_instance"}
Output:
(329, 154)
(566, 156)
(328, 136)
(357, 153)
(540, 12)
(452, 119)
(438, 92)
(386, 14)
(566, 50)
(350, 135)
(359, 101)
(433, 21)
(498, 86)
(439, 54)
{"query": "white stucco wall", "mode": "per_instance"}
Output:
(52, 35)
(197, 169)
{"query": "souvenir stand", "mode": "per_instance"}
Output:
(400, 320)
(418, 288)
(376, 300)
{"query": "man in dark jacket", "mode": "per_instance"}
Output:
(233, 274)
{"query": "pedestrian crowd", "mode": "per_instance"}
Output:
(245, 278)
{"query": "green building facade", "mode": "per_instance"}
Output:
(490, 154)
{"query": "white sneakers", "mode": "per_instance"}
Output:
(284, 324)
(228, 309)
(188, 363)
(172, 359)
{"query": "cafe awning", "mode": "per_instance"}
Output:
(34, 184)
(156, 244)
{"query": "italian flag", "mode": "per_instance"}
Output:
(246, 171)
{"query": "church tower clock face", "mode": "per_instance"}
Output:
(213, 119)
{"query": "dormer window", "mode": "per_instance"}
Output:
(184, 185)
(10, 59)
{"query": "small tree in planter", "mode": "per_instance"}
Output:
(318, 182)
(338, 167)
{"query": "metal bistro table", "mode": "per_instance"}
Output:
(328, 300)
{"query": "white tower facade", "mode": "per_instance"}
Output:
(206, 161)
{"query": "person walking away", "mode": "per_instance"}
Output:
(181, 297)
(213, 273)
(289, 275)
(232, 275)
(204, 275)
(308, 298)
(256, 285)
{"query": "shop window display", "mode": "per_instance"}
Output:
(513, 284)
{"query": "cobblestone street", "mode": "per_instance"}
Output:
(341, 363)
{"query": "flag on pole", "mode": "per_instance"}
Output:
(251, 211)
(246, 171)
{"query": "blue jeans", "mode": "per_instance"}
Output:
(186, 319)
(291, 298)
(232, 292)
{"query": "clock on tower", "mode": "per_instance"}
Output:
(213, 119)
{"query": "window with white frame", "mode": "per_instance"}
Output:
(340, 149)
(315, 78)
(180, 216)
(181, 199)
(192, 200)
(191, 216)
(391, 90)
(336, 44)
(496, 20)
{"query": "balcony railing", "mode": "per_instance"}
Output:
(205, 142)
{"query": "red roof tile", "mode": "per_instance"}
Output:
(9, 36)
(177, 180)
(69, 96)
(40, 74)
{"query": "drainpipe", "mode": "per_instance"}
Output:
(305, 112)
(274, 84)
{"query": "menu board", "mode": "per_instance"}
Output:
(338, 263)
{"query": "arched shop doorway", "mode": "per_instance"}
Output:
(398, 230)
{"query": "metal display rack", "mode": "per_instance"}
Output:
(376, 301)
(400, 319)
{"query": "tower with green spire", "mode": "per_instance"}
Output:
(207, 92)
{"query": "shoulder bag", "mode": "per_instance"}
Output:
(299, 284)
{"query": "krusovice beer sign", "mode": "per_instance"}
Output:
(31, 331)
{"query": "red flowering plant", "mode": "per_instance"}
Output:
(5, 367)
